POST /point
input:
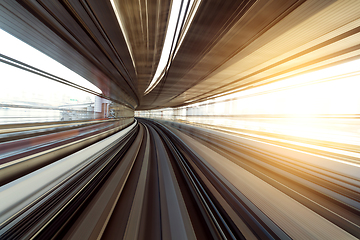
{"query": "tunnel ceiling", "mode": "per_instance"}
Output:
(229, 45)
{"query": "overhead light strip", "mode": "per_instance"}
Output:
(189, 17)
(114, 6)
(179, 13)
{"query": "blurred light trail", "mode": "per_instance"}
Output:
(180, 17)
(118, 17)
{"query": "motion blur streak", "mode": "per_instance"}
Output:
(179, 22)
(166, 119)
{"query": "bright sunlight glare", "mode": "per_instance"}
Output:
(342, 71)
(321, 105)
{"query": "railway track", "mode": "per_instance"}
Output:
(163, 198)
(156, 181)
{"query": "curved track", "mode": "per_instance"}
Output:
(171, 181)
